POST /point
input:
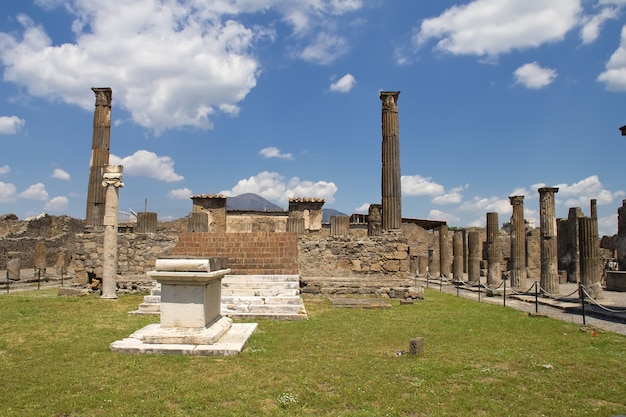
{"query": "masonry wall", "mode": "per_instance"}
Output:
(350, 256)
(137, 253)
(248, 253)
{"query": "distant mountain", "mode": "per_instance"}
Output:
(251, 201)
(328, 213)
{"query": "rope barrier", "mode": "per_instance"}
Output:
(594, 302)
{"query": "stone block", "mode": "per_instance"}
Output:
(416, 346)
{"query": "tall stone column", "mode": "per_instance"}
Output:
(112, 181)
(494, 264)
(590, 273)
(457, 255)
(549, 260)
(518, 243)
(100, 145)
(474, 256)
(391, 191)
(621, 236)
(444, 251)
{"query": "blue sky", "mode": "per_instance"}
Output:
(280, 98)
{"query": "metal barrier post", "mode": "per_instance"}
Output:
(536, 298)
(7, 281)
(440, 282)
(581, 291)
(38, 278)
(504, 294)
(479, 289)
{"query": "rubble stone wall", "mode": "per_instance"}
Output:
(350, 256)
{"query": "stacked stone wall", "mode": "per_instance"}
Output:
(137, 253)
(350, 256)
(248, 253)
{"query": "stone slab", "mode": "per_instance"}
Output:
(156, 334)
(231, 343)
(351, 302)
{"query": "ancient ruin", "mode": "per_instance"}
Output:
(518, 243)
(391, 179)
(100, 145)
(549, 259)
(112, 181)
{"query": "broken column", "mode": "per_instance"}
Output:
(590, 272)
(112, 181)
(474, 256)
(391, 187)
(494, 264)
(14, 265)
(40, 260)
(457, 255)
(100, 145)
(339, 226)
(549, 260)
(444, 251)
(146, 222)
(374, 220)
(518, 243)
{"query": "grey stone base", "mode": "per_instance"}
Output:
(230, 343)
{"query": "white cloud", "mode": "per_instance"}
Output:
(534, 76)
(363, 208)
(170, 63)
(580, 193)
(180, 194)
(35, 192)
(8, 193)
(454, 196)
(56, 205)
(273, 152)
(592, 24)
(4, 169)
(325, 48)
(10, 125)
(344, 84)
(440, 215)
(416, 185)
(493, 27)
(614, 76)
(274, 187)
(60, 174)
(488, 204)
(148, 164)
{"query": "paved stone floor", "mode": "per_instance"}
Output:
(607, 313)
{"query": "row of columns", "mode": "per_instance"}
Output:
(588, 239)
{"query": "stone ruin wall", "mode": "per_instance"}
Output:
(353, 256)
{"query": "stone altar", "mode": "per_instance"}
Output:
(191, 323)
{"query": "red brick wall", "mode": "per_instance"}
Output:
(247, 253)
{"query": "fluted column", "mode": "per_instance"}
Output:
(621, 236)
(100, 145)
(590, 273)
(549, 260)
(474, 256)
(457, 255)
(112, 181)
(494, 264)
(518, 243)
(391, 188)
(444, 251)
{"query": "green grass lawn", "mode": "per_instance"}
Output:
(479, 360)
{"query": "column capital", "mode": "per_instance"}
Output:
(390, 100)
(113, 176)
(516, 200)
(548, 190)
(104, 96)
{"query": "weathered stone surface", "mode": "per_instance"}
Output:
(416, 346)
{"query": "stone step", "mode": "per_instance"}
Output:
(237, 299)
(262, 285)
(261, 309)
(260, 278)
(253, 292)
(154, 298)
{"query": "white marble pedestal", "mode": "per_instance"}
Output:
(191, 322)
